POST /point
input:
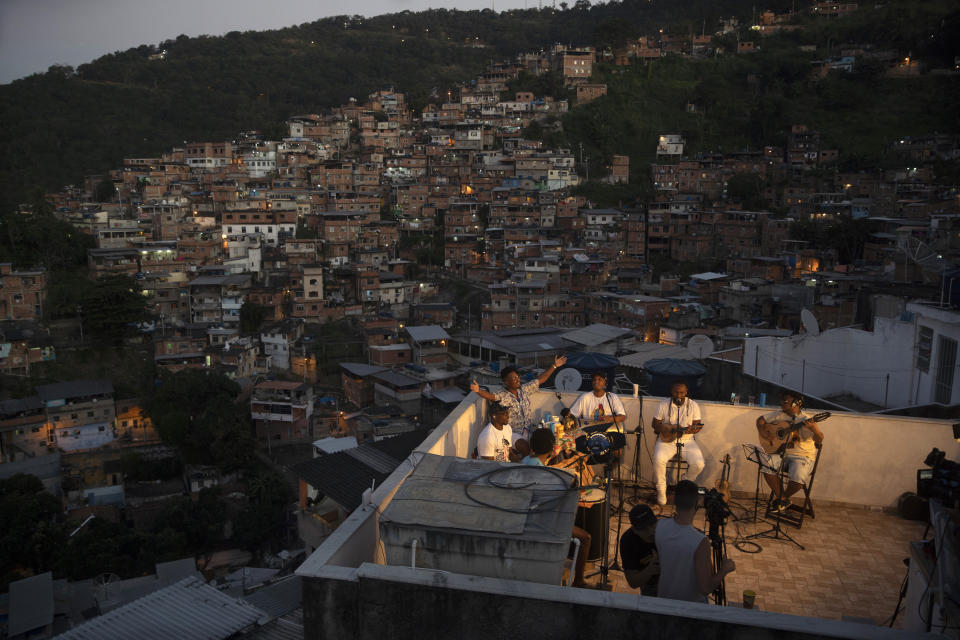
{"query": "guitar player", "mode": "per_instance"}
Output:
(797, 451)
(676, 412)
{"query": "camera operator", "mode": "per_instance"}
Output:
(686, 567)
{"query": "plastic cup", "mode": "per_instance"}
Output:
(748, 598)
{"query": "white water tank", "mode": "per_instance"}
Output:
(482, 518)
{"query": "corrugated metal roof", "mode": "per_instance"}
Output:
(708, 275)
(288, 627)
(279, 598)
(427, 333)
(344, 477)
(652, 351)
(595, 334)
(31, 604)
(187, 610)
(176, 570)
(360, 369)
(397, 379)
(376, 460)
(449, 395)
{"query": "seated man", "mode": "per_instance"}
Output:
(598, 404)
(638, 551)
(678, 412)
(498, 441)
(799, 448)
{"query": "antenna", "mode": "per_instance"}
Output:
(568, 379)
(700, 347)
(810, 322)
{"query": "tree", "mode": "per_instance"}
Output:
(196, 410)
(105, 191)
(747, 189)
(252, 316)
(30, 536)
(201, 521)
(265, 515)
(113, 308)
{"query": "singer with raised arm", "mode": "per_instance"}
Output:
(516, 396)
(677, 419)
(598, 406)
(790, 438)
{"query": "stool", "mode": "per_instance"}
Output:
(672, 465)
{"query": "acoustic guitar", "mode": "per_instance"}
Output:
(670, 432)
(776, 436)
(723, 484)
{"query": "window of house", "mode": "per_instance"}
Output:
(73, 416)
(100, 428)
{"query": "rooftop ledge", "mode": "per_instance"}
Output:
(868, 461)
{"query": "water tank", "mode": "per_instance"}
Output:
(482, 518)
(663, 372)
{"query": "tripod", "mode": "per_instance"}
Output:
(604, 569)
(776, 532)
(719, 552)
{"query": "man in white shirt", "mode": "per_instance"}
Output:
(681, 412)
(686, 563)
(598, 404)
(497, 440)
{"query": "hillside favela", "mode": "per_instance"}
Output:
(488, 324)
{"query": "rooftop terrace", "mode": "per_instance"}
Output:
(851, 568)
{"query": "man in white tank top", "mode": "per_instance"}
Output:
(686, 564)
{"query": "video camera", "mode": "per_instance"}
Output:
(714, 505)
(941, 481)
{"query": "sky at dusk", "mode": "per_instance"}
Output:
(35, 34)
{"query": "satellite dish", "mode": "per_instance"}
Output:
(810, 322)
(700, 347)
(568, 379)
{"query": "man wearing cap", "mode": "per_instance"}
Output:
(638, 551)
(498, 441)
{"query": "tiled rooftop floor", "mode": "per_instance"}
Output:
(852, 566)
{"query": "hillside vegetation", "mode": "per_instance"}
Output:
(65, 123)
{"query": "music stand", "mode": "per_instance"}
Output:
(754, 453)
(776, 532)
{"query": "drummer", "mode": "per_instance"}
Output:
(598, 405)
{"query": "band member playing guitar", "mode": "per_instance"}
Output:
(789, 437)
(677, 418)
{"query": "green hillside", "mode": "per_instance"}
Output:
(65, 123)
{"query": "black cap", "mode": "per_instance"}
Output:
(642, 516)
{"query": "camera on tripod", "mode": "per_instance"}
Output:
(941, 481)
(714, 505)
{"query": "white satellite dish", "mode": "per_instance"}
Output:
(700, 347)
(568, 379)
(810, 322)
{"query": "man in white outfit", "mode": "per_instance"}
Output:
(678, 411)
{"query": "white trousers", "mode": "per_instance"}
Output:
(662, 452)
